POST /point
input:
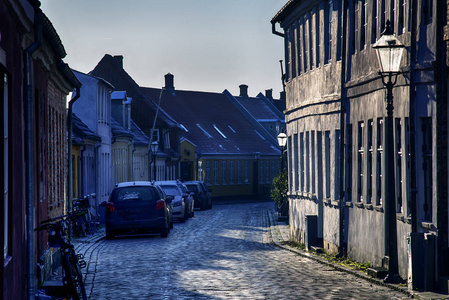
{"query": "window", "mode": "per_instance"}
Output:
(219, 131)
(427, 14)
(426, 127)
(364, 24)
(356, 23)
(340, 30)
(348, 170)
(215, 172)
(302, 160)
(304, 42)
(369, 177)
(375, 21)
(294, 164)
(261, 172)
(317, 36)
(231, 172)
(380, 137)
(401, 17)
(398, 140)
(246, 171)
(327, 164)
(383, 16)
(361, 152)
(5, 183)
(267, 172)
(298, 46)
(223, 172)
(292, 51)
(208, 172)
(307, 162)
(328, 32)
(200, 170)
(239, 172)
(313, 163)
(311, 36)
(155, 135)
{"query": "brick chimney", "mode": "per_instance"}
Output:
(243, 90)
(269, 94)
(119, 60)
(169, 82)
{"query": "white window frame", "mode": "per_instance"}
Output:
(5, 167)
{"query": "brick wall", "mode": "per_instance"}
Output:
(56, 150)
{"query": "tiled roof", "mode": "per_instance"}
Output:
(212, 122)
(258, 108)
(140, 138)
(118, 130)
(143, 109)
(80, 132)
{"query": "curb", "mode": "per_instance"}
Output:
(277, 240)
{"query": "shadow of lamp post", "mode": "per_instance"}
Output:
(154, 148)
(389, 53)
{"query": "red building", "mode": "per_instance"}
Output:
(34, 85)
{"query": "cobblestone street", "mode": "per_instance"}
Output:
(223, 253)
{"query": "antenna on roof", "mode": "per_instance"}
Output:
(282, 76)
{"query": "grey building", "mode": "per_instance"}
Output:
(335, 119)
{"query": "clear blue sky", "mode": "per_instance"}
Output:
(208, 45)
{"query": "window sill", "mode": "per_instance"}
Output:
(378, 208)
(428, 226)
(335, 203)
(348, 204)
(359, 204)
(369, 206)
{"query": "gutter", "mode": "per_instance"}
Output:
(29, 153)
(343, 97)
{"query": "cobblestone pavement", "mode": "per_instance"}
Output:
(223, 253)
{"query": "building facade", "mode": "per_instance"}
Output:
(34, 86)
(337, 136)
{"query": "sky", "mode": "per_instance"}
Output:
(208, 45)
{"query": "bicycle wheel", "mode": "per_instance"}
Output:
(73, 278)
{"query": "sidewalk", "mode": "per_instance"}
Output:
(280, 234)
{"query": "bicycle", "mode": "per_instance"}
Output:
(86, 221)
(71, 262)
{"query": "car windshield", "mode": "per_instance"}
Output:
(171, 190)
(184, 189)
(135, 193)
(192, 187)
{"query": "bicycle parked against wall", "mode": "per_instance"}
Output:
(86, 221)
(71, 262)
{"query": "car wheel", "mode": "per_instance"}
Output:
(164, 232)
(110, 234)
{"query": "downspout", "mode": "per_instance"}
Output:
(29, 152)
(69, 146)
(412, 120)
(82, 186)
(341, 245)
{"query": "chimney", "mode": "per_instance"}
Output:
(269, 94)
(169, 82)
(119, 60)
(243, 90)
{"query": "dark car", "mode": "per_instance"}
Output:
(201, 194)
(137, 207)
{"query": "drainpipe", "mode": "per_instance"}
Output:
(69, 146)
(341, 246)
(29, 152)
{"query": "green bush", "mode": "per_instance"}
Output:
(279, 193)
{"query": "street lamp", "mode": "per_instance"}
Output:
(389, 52)
(282, 141)
(154, 148)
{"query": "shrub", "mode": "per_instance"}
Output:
(279, 193)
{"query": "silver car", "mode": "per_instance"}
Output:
(181, 203)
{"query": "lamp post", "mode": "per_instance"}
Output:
(389, 53)
(282, 141)
(154, 148)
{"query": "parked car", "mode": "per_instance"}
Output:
(138, 207)
(188, 196)
(182, 202)
(202, 197)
